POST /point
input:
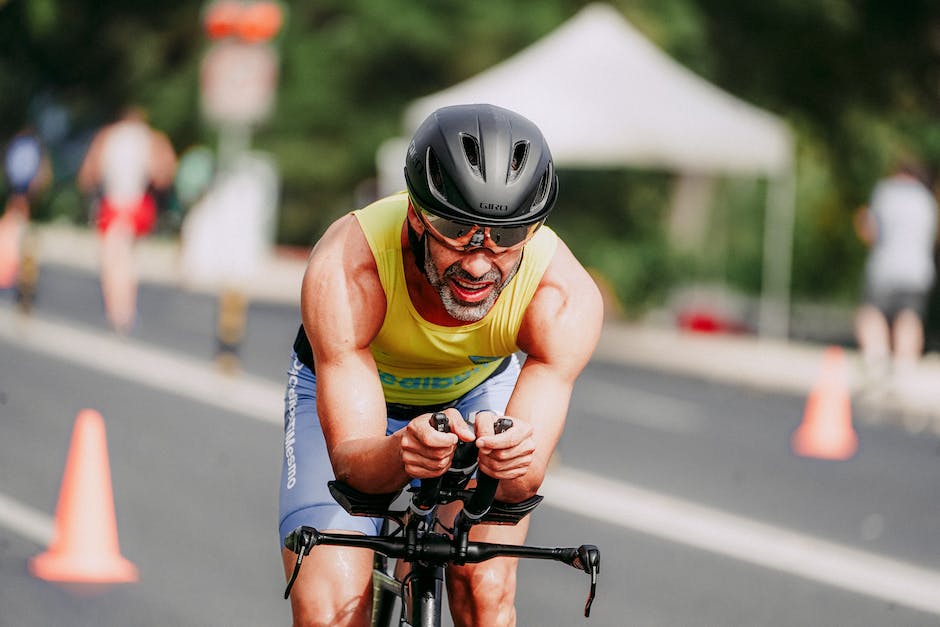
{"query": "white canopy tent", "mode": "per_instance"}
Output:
(605, 96)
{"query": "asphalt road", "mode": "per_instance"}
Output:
(703, 515)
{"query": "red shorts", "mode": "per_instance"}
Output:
(141, 218)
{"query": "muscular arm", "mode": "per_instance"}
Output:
(559, 334)
(343, 306)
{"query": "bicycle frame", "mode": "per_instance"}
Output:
(385, 589)
(421, 597)
(420, 593)
(418, 542)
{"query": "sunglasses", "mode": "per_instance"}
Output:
(463, 237)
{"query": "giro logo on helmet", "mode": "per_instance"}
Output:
(492, 206)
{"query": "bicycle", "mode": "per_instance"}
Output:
(421, 540)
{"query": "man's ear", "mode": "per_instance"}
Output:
(416, 239)
(413, 220)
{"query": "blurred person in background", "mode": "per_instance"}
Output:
(27, 172)
(899, 224)
(128, 163)
(418, 303)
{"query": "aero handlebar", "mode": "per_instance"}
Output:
(420, 543)
(438, 548)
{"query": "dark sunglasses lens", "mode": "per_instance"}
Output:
(502, 236)
(448, 229)
(452, 230)
(509, 235)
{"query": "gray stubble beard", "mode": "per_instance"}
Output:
(456, 308)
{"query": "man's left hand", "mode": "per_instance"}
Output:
(506, 455)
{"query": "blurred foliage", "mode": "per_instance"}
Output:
(857, 80)
(613, 221)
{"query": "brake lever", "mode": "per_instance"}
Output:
(589, 560)
(591, 593)
(307, 540)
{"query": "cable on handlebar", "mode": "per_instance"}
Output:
(300, 541)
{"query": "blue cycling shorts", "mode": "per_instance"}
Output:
(304, 497)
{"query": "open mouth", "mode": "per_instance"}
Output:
(470, 291)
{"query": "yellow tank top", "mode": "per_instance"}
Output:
(421, 363)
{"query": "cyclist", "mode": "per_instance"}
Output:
(419, 303)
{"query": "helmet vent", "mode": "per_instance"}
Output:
(520, 151)
(435, 176)
(471, 150)
(545, 183)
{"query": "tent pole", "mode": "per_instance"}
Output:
(774, 316)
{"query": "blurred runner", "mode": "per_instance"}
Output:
(126, 164)
(27, 172)
(900, 226)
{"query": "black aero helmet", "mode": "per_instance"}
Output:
(481, 164)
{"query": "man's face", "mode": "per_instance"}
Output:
(468, 282)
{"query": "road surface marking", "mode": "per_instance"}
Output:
(135, 361)
(26, 521)
(780, 549)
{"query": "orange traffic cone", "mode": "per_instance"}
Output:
(84, 547)
(826, 431)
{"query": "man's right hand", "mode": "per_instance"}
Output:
(425, 451)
